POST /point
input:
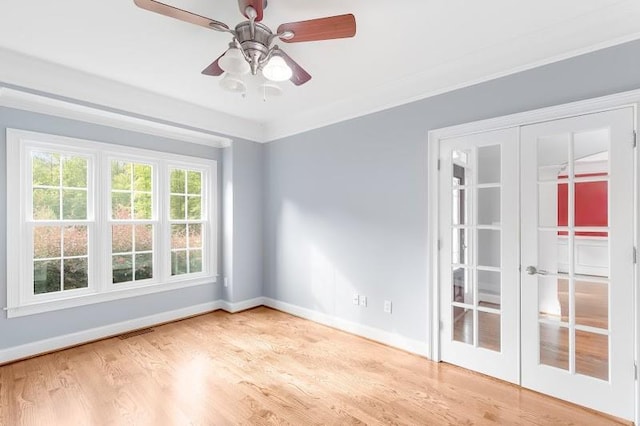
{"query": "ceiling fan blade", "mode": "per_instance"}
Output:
(174, 12)
(300, 76)
(214, 69)
(258, 5)
(341, 26)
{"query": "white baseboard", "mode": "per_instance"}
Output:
(80, 337)
(381, 336)
(232, 308)
(67, 340)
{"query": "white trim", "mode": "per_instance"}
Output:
(17, 99)
(80, 337)
(391, 339)
(232, 307)
(433, 261)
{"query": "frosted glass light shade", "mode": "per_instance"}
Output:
(233, 62)
(269, 89)
(233, 83)
(277, 69)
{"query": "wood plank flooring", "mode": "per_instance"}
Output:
(261, 367)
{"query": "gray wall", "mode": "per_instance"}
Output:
(16, 331)
(346, 205)
(242, 233)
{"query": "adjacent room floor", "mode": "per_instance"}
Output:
(261, 367)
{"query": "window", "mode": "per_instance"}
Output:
(94, 222)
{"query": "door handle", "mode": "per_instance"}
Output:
(532, 270)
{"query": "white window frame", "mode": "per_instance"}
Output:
(20, 298)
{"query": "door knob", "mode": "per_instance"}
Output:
(532, 270)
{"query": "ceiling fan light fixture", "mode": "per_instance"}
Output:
(234, 62)
(277, 69)
(269, 89)
(233, 83)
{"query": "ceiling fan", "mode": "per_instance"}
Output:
(252, 48)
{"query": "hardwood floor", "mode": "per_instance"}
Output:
(261, 367)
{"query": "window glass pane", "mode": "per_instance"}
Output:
(144, 237)
(47, 242)
(120, 175)
(194, 208)
(46, 276)
(121, 205)
(177, 207)
(195, 235)
(122, 267)
(592, 354)
(74, 172)
(75, 241)
(74, 204)
(76, 273)
(463, 325)
(177, 181)
(178, 262)
(45, 168)
(489, 331)
(194, 182)
(142, 206)
(144, 266)
(178, 236)
(46, 204)
(121, 238)
(142, 177)
(195, 261)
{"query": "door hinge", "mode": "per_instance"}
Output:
(635, 138)
(441, 324)
(635, 255)
(635, 371)
(438, 164)
(439, 244)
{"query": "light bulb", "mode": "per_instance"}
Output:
(277, 69)
(234, 62)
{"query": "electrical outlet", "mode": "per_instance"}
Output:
(387, 306)
(363, 301)
(356, 299)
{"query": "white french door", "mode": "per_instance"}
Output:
(479, 253)
(577, 260)
(536, 258)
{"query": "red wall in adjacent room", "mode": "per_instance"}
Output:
(591, 206)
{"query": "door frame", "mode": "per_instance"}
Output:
(434, 137)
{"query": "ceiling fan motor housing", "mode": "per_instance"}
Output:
(256, 47)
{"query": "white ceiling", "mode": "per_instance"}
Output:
(402, 51)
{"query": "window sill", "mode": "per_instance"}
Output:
(88, 299)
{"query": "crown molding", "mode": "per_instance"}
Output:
(26, 101)
(401, 92)
(57, 82)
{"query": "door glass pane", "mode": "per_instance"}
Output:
(489, 164)
(592, 304)
(553, 252)
(488, 247)
(591, 153)
(489, 289)
(553, 298)
(591, 204)
(462, 291)
(460, 204)
(553, 157)
(460, 246)
(463, 325)
(489, 206)
(554, 346)
(553, 203)
(489, 331)
(592, 354)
